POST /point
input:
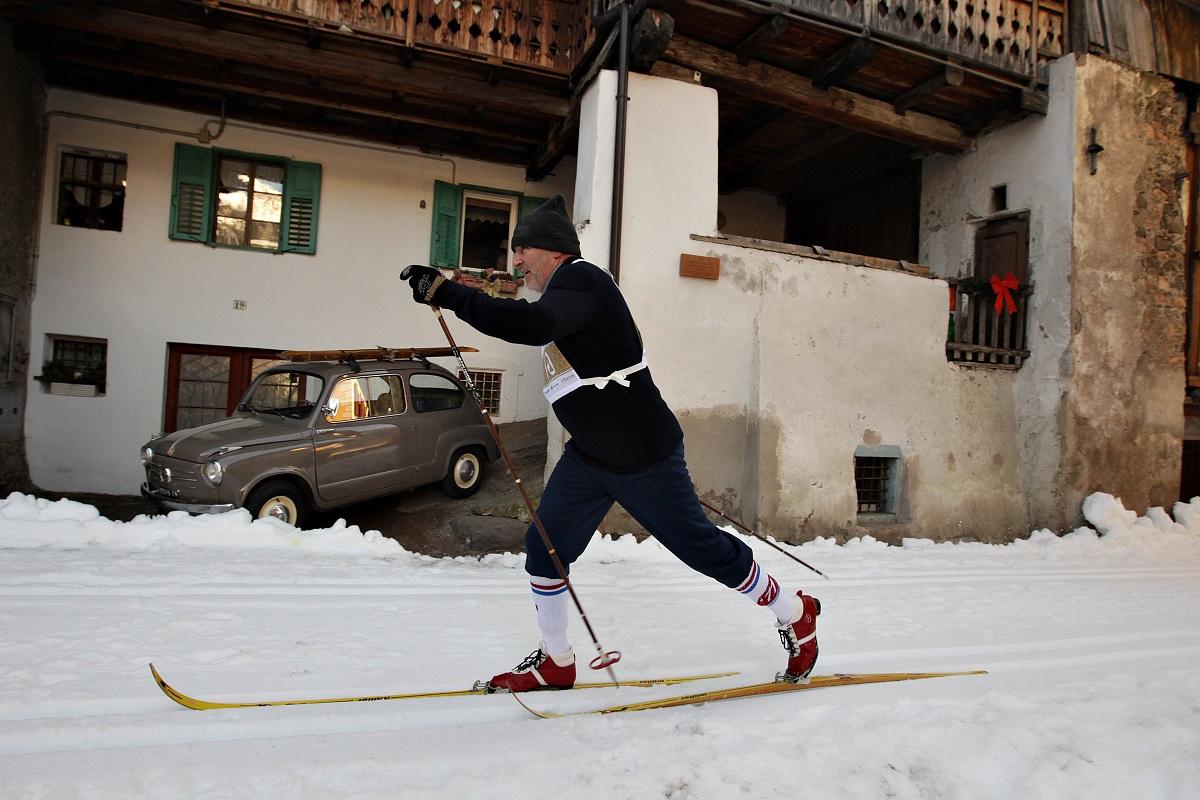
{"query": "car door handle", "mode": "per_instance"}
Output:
(323, 430)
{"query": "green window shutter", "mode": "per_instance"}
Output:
(529, 204)
(443, 244)
(192, 195)
(301, 202)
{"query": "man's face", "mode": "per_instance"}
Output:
(537, 264)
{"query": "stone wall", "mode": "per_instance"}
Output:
(1124, 417)
(22, 96)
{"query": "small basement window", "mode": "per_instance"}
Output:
(877, 473)
(77, 366)
(91, 190)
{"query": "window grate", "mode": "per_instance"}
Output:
(487, 385)
(870, 481)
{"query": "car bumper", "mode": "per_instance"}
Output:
(172, 504)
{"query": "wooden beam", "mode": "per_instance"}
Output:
(674, 72)
(370, 129)
(796, 93)
(788, 158)
(949, 76)
(769, 30)
(760, 116)
(273, 88)
(560, 139)
(844, 63)
(1020, 103)
(294, 56)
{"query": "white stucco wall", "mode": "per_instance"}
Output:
(785, 365)
(1035, 158)
(139, 289)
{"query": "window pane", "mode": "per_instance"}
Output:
(434, 393)
(385, 395)
(230, 231)
(232, 204)
(268, 207)
(269, 179)
(203, 389)
(350, 400)
(235, 174)
(264, 234)
(485, 233)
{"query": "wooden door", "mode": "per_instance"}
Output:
(1002, 247)
(205, 382)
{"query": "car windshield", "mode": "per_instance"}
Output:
(286, 393)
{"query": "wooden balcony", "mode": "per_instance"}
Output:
(547, 35)
(552, 35)
(979, 333)
(993, 33)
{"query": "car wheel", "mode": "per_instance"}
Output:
(465, 473)
(280, 500)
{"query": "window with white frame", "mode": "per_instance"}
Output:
(473, 226)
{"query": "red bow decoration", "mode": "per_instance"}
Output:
(1003, 288)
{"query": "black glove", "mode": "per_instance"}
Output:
(424, 282)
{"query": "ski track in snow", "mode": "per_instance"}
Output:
(1091, 644)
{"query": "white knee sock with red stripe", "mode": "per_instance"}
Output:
(764, 591)
(550, 598)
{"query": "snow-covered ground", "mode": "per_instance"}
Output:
(1092, 644)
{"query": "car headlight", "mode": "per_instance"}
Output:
(147, 455)
(213, 472)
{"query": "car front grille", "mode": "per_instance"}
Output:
(173, 477)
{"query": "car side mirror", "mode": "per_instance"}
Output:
(330, 408)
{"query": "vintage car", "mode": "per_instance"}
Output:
(312, 435)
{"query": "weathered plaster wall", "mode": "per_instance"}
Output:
(22, 100)
(139, 289)
(1035, 159)
(1124, 418)
(781, 368)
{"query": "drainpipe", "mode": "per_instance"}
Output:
(618, 188)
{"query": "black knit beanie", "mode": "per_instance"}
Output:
(547, 227)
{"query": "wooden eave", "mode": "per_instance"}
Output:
(782, 131)
(189, 55)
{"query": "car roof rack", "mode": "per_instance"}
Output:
(352, 357)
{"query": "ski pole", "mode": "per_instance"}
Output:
(760, 536)
(604, 658)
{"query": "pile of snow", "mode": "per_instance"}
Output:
(27, 521)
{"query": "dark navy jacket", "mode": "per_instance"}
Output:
(582, 311)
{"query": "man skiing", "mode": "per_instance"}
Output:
(626, 445)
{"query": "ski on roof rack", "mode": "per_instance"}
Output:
(371, 353)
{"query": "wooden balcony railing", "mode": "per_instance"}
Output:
(996, 33)
(979, 333)
(544, 34)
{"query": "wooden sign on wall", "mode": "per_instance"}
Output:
(707, 267)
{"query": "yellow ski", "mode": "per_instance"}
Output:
(752, 690)
(206, 705)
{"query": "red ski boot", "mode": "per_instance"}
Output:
(800, 640)
(538, 671)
